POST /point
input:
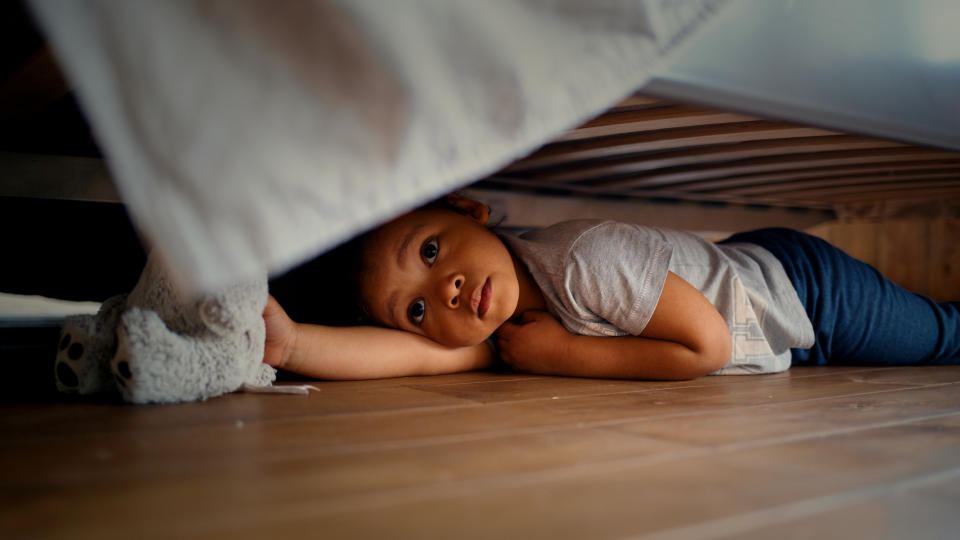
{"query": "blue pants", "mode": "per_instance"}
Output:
(859, 317)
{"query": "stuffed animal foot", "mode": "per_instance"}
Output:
(82, 365)
(155, 365)
(159, 344)
(87, 344)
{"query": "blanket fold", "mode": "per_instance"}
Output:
(247, 134)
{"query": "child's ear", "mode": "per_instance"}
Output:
(475, 209)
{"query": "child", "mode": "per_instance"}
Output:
(604, 299)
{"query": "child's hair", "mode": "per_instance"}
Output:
(326, 289)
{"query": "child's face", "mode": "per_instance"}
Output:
(439, 274)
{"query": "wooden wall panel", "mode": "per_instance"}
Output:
(943, 278)
(915, 244)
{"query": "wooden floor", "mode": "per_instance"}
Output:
(813, 453)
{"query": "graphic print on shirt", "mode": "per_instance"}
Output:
(749, 343)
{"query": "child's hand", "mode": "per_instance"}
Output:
(537, 345)
(281, 334)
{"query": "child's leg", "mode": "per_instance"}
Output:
(859, 316)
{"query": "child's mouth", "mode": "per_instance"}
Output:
(480, 299)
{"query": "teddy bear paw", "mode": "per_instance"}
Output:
(131, 337)
(120, 368)
(82, 360)
(70, 359)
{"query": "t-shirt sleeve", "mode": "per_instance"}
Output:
(616, 273)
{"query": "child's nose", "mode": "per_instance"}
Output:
(451, 290)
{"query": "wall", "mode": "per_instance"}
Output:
(914, 243)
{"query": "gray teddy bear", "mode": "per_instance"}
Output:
(158, 344)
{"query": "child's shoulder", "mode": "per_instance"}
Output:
(568, 232)
(579, 236)
(549, 244)
(580, 231)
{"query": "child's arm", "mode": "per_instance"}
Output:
(685, 338)
(360, 352)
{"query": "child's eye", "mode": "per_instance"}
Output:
(416, 311)
(430, 250)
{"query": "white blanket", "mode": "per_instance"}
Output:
(250, 134)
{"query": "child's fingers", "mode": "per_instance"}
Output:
(504, 351)
(505, 331)
(533, 316)
(509, 329)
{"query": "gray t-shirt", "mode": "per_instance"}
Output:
(602, 278)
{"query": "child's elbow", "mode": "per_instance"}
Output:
(714, 349)
(719, 354)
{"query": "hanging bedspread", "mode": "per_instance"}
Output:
(246, 135)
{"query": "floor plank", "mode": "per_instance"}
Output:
(498, 454)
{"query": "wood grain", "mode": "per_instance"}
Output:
(592, 170)
(654, 148)
(617, 121)
(494, 454)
